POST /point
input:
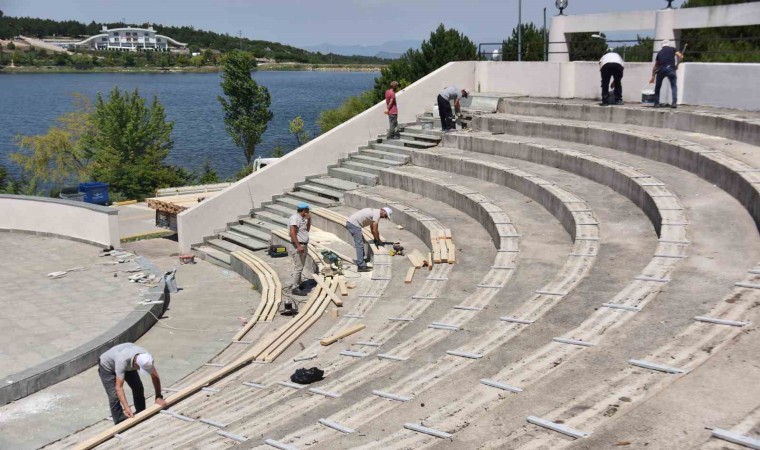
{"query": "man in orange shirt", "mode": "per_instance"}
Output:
(391, 109)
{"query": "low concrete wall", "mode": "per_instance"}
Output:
(314, 157)
(724, 85)
(84, 222)
(77, 360)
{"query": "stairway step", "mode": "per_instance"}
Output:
(411, 143)
(311, 199)
(424, 132)
(213, 256)
(252, 230)
(361, 167)
(376, 161)
(272, 218)
(392, 148)
(367, 179)
(420, 136)
(222, 245)
(262, 225)
(321, 190)
(334, 183)
(279, 209)
(243, 241)
(381, 154)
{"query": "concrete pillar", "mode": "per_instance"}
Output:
(558, 49)
(663, 29)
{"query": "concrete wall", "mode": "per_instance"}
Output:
(80, 221)
(725, 85)
(314, 157)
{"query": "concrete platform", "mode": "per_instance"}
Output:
(202, 318)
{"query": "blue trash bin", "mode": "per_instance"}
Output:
(94, 192)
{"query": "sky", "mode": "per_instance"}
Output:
(312, 22)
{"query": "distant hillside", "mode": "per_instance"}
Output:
(390, 50)
(197, 39)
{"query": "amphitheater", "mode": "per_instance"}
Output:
(596, 282)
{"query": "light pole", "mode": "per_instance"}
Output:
(519, 30)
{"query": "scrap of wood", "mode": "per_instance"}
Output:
(452, 253)
(342, 286)
(343, 333)
(350, 284)
(415, 258)
(399, 227)
(430, 261)
(335, 299)
(447, 233)
(409, 275)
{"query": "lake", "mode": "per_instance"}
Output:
(30, 103)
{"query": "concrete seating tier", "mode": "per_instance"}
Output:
(735, 176)
(740, 125)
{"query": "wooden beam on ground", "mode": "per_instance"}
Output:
(436, 251)
(430, 261)
(409, 275)
(343, 333)
(447, 233)
(443, 248)
(331, 295)
(342, 286)
(452, 253)
(415, 258)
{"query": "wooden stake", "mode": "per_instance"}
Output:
(343, 333)
(342, 286)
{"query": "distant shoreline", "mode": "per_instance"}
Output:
(202, 69)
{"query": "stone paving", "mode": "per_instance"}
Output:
(201, 319)
(43, 317)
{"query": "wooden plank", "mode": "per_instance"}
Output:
(262, 303)
(343, 333)
(436, 252)
(443, 247)
(447, 233)
(452, 253)
(430, 261)
(410, 275)
(342, 286)
(302, 327)
(415, 258)
(330, 294)
(441, 235)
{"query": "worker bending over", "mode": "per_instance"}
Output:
(444, 106)
(359, 220)
(120, 364)
(611, 66)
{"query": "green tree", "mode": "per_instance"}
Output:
(128, 143)
(331, 118)
(246, 106)
(11, 46)
(129, 60)
(208, 174)
(278, 151)
(584, 47)
(720, 44)
(532, 44)
(297, 129)
(58, 156)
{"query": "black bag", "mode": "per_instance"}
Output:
(307, 376)
(277, 251)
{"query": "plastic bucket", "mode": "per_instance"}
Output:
(647, 96)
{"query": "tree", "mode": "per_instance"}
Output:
(128, 143)
(532, 44)
(208, 175)
(278, 151)
(584, 47)
(11, 45)
(297, 130)
(246, 106)
(720, 44)
(331, 118)
(58, 156)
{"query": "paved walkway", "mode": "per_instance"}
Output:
(43, 317)
(137, 219)
(210, 299)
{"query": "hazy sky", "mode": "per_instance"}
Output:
(311, 22)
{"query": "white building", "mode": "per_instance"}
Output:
(129, 39)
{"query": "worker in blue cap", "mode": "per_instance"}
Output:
(298, 228)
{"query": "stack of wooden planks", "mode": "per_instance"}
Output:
(271, 290)
(175, 204)
(442, 247)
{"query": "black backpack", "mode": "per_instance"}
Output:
(307, 376)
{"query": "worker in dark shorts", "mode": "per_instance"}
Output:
(611, 67)
(120, 364)
(444, 106)
(665, 66)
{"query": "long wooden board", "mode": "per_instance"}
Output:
(335, 299)
(415, 258)
(409, 275)
(343, 333)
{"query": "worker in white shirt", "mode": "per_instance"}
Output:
(611, 66)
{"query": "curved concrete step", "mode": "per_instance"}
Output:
(333, 183)
(321, 190)
(375, 161)
(213, 256)
(380, 154)
(243, 240)
(360, 166)
(222, 245)
(311, 199)
(252, 229)
(279, 209)
(367, 179)
(272, 218)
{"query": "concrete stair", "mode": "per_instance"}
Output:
(360, 169)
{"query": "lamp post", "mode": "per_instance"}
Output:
(561, 5)
(519, 30)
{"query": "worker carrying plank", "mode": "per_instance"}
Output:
(120, 364)
(360, 219)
